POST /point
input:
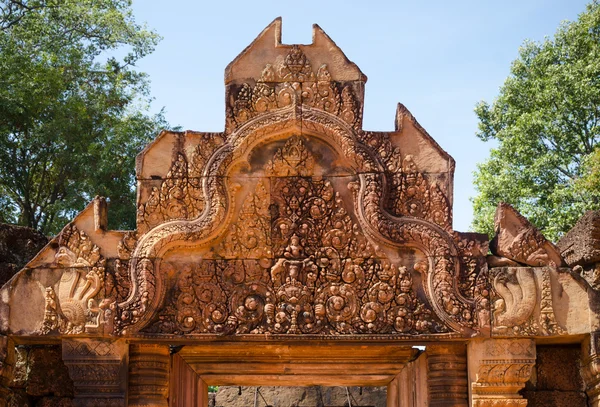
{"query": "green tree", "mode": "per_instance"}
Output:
(72, 109)
(546, 125)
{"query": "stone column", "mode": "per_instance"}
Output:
(498, 369)
(98, 368)
(148, 375)
(7, 362)
(447, 375)
(590, 368)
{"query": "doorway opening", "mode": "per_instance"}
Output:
(296, 396)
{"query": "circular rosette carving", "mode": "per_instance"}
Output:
(353, 274)
(286, 96)
(212, 303)
(188, 317)
(263, 98)
(215, 317)
(248, 308)
(337, 303)
(373, 318)
(402, 316)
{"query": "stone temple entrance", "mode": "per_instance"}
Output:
(296, 248)
(285, 364)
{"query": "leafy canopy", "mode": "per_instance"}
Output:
(72, 109)
(546, 124)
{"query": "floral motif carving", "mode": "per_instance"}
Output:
(296, 66)
(97, 370)
(411, 194)
(294, 82)
(179, 197)
(249, 236)
(503, 366)
(441, 274)
(321, 276)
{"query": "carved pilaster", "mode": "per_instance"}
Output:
(98, 370)
(590, 368)
(148, 375)
(7, 361)
(498, 369)
(447, 375)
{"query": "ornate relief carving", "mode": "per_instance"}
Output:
(590, 368)
(97, 370)
(179, 197)
(518, 240)
(294, 82)
(76, 308)
(499, 370)
(291, 160)
(411, 194)
(516, 295)
(118, 280)
(296, 67)
(325, 277)
(250, 236)
(458, 311)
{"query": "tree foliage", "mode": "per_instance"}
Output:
(545, 122)
(72, 109)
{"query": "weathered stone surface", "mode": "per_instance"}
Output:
(20, 372)
(228, 396)
(18, 245)
(55, 402)
(581, 245)
(18, 398)
(47, 373)
(548, 398)
(557, 379)
(557, 368)
(518, 240)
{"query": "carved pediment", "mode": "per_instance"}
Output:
(292, 221)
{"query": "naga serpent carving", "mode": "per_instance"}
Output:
(518, 290)
(439, 276)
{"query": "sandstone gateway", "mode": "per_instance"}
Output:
(296, 249)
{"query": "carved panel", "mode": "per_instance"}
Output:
(308, 269)
(76, 304)
(498, 370)
(293, 81)
(522, 302)
(98, 371)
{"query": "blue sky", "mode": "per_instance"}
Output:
(439, 58)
